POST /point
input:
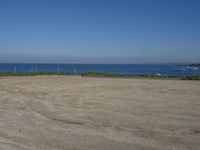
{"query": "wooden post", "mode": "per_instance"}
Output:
(75, 71)
(36, 69)
(15, 69)
(32, 69)
(58, 70)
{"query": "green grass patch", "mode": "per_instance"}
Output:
(110, 75)
(151, 76)
(32, 73)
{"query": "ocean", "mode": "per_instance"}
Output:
(108, 68)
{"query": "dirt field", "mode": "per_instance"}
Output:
(82, 113)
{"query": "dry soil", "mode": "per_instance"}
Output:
(83, 113)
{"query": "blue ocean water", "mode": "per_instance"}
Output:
(108, 68)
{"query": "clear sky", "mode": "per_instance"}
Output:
(100, 31)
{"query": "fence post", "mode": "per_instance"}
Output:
(75, 71)
(32, 69)
(58, 70)
(36, 69)
(15, 69)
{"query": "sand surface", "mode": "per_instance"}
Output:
(82, 113)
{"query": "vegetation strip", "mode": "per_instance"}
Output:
(111, 75)
(32, 73)
(151, 76)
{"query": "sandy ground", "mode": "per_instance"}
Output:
(82, 113)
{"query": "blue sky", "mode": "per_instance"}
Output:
(100, 31)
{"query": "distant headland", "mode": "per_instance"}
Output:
(194, 65)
